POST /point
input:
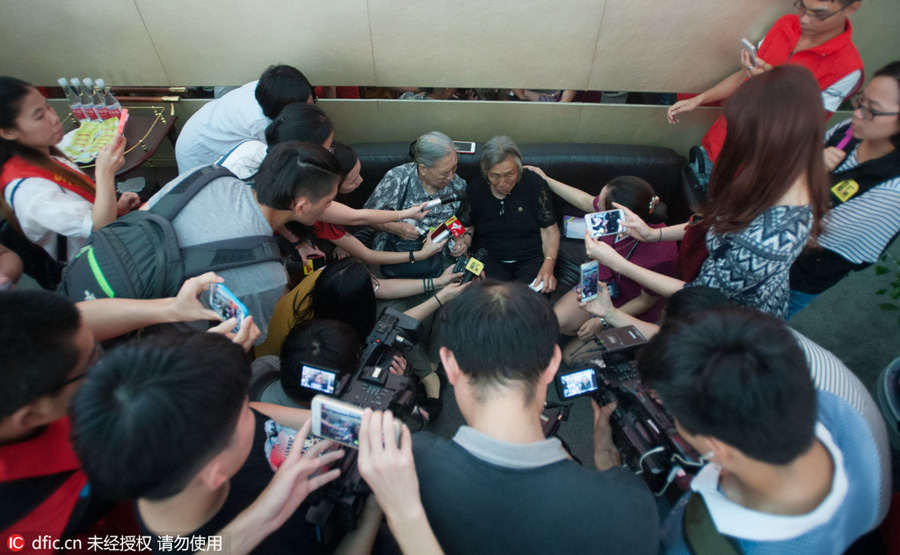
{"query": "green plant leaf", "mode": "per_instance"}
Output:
(880, 270)
(889, 306)
(881, 292)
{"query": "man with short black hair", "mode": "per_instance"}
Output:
(295, 183)
(166, 422)
(499, 486)
(792, 469)
(241, 114)
(48, 344)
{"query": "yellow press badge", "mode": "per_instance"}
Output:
(845, 189)
(475, 266)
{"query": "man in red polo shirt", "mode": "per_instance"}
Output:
(818, 38)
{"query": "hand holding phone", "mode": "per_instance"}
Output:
(751, 50)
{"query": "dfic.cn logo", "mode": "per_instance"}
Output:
(15, 543)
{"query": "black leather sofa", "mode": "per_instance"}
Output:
(586, 166)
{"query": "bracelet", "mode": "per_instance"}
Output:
(412, 258)
(550, 257)
(428, 285)
(660, 235)
(398, 216)
(435, 297)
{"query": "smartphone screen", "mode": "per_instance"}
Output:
(226, 304)
(590, 274)
(577, 383)
(339, 421)
(336, 421)
(605, 223)
(319, 379)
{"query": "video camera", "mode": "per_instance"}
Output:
(372, 386)
(643, 430)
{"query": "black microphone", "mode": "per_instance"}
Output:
(443, 199)
(475, 265)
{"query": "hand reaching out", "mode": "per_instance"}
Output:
(127, 202)
(637, 227)
(833, 158)
(246, 336)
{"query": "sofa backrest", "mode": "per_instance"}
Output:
(585, 166)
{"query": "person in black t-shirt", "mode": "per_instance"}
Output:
(512, 217)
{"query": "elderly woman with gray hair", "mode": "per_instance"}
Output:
(512, 217)
(432, 173)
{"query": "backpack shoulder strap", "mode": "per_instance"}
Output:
(175, 200)
(229, 253)
(700, 533)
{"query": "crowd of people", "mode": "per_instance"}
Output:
(194, 427)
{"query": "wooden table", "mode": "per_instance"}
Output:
(145, 131)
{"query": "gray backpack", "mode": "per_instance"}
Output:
(138, 256)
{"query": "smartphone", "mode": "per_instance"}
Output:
(748, 46)
(339, 421)
(590, 274)
(313, 263)
(226, 304)
(320, 379)
(464, 147)
(605, 223)
(577, 383)
(123, 119)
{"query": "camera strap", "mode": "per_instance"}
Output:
(700, 533)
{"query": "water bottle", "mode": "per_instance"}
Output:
(115, 109)
(87, 103)
(72, 99)
(99, 104)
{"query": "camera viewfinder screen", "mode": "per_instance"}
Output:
(576, 383)
(340, 424)
(318, 379)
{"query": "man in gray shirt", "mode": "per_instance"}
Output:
(499, 486)
(294, 183)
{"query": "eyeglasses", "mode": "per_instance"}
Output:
(95, 356)
(821, 15)
(867, 113)
(71, 380)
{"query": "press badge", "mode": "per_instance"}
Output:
(845, 190)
